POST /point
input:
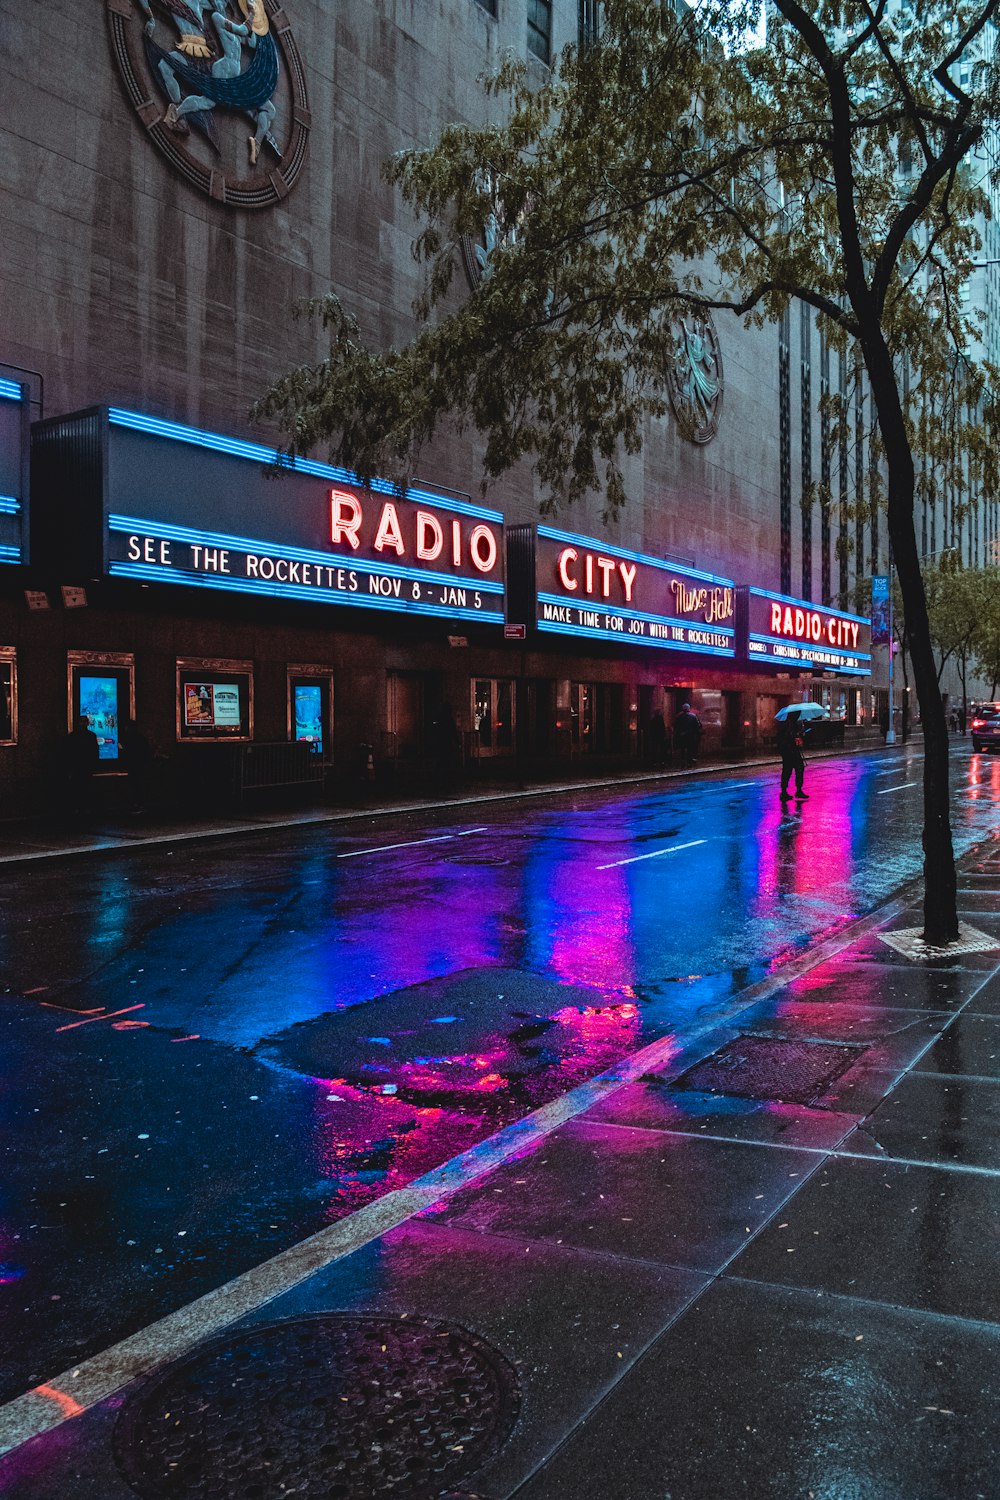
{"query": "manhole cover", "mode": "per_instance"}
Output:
(759, 1067)
(328, 1407)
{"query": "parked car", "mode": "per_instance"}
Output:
(985, 726)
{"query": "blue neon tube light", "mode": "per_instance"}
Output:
(591, 544)
(820, 609)
(256, 453)
(622, 637)
(171, 533)
(805, 654)
(152, 574)
(561, 602)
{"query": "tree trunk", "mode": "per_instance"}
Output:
(940, 884)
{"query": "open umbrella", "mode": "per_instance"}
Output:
(801, 711)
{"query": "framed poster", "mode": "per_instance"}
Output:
(214, 700)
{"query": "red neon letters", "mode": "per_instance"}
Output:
(607, 567)
(430, 535)
(809, 625)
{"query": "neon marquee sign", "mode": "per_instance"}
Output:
(798, 634)
(592, 590)
(180, 510)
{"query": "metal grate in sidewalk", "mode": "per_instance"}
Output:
(770, 1068)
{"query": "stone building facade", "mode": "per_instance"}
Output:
(135, 277)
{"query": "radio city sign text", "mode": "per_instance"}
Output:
(606, 577)
(606, 593)
(803, 624)
(376, 550)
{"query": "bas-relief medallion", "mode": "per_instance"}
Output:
(220, 88)
(694, 375)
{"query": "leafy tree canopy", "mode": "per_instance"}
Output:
(672, 166)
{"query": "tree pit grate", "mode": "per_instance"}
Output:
(770, 1069)
(325, 1407)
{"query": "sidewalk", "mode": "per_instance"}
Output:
(759, 1261)
(37, 839)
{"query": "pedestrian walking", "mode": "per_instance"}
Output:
(961, 719)
(791, 739)
(953, 721)
(687, 735)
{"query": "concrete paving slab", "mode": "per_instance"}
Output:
(935, 1118)
(636, 1193)
(864, 983)
(919, 1237)
(567, 1320)
(654, 1105)
(969, 1046)
(986, 1001)
(773, 1394)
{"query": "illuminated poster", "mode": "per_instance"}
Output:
(226, 705)
(880, 610)
(198, 704)
(99, 706)
(309, 715)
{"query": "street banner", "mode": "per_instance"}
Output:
(880, 609)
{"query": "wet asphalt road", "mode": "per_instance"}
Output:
(211, 1051)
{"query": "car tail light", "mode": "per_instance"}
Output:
(978, 723)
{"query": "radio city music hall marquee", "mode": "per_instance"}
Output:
(185, 513)
(594, 591)
(796, 634)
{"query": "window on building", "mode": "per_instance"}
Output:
(493, 714)
(590, 21)
(540, 28)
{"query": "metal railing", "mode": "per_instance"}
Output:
(284, 764)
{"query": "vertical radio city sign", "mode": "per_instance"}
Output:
(194, 508)
(795, 633)
(589, 589)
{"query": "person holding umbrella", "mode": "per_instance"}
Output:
(791, 722)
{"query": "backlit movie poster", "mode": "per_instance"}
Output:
(198, 704)
(99, 705)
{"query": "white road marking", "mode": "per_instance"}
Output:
(657, 854)
(887, 789)
(440, 838)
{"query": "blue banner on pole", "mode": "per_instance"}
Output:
(880, 609)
